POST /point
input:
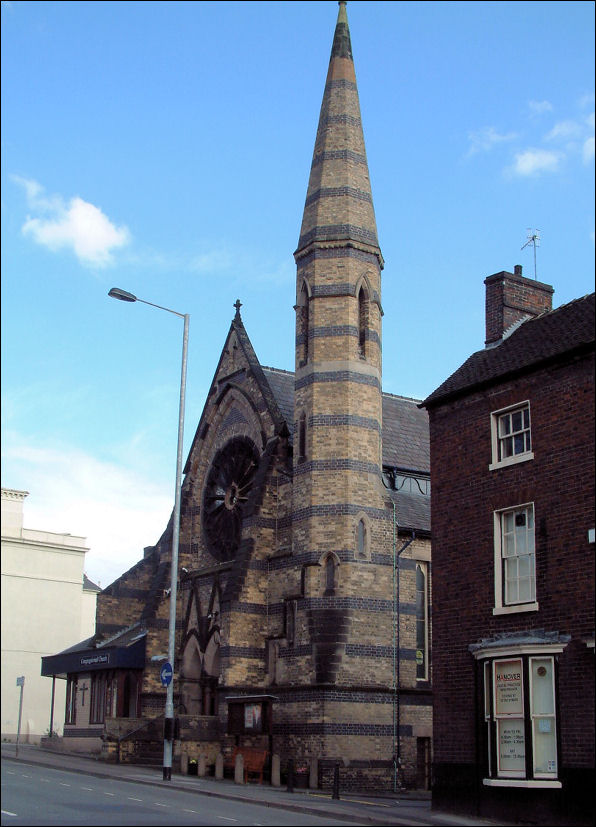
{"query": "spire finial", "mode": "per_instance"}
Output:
(342, 46)
(237, 305)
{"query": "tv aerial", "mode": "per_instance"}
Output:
(534, 239)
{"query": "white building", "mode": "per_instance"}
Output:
(47, 603)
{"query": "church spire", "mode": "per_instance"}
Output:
(339, 204)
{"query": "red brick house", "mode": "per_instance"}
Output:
(512, 467)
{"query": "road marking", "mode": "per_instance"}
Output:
(130, 798)
(368, 803)
(62, 784)
(89, 789)
(157, 804)
(7, 812)
(45, 780)
(225, 818)
(112, 794)
(190, 811)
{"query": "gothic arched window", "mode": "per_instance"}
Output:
(304, 322)
(329, 575)
(361, 538)
(302, 437)
(362, 321)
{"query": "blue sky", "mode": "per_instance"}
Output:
(165, 148)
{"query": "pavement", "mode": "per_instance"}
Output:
(411, 808)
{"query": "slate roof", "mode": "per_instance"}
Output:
(412, 511)
(89, 585)
(538, 341)
(405, 443)
(405, 425)
(125, 650)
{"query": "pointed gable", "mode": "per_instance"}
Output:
(237, 361)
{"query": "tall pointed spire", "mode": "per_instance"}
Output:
(339, 204)
(337, 490)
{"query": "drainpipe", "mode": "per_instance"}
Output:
(396, 650)
(52, 706)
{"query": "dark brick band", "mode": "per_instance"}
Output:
(337, 464)
(342, 83)
(337, 376)
(339, 155)
(338, 330)
(338, 192)
(339, 232)
(338, 510)
(340, 252)
(345, 421)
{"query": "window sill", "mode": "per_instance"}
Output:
(517, 609)
(515, 782)
(504, 463)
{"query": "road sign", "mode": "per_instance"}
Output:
(21, 681)
(165, 674)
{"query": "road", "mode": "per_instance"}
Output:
(42, 796)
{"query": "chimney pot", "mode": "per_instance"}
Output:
(517, 270)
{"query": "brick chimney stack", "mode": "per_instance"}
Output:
(511, 297)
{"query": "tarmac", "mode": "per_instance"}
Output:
(403, 808)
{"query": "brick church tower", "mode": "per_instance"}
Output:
(340, 515)
(303, 617)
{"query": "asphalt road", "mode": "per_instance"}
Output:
(42, 796)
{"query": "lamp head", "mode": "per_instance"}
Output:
(117, 293)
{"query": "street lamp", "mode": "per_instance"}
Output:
(168, 742)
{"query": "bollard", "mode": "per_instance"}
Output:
(290, 775)
(336, 782)
(313, 774)
(239, 769)
(219, 767)
(202, 768)
(275, 771)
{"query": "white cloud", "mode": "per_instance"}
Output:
(483, 140)
(534, 161)
(77, 225)
(540, 107)
(588, 150)
(213, 261)
(564, 130)
(116, 509)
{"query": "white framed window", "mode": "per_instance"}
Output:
(515, 560)
(511, 436)
(544, 723)
(520, 715)
(508, 706)
(488, 715)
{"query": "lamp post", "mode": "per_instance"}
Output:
(168, 743)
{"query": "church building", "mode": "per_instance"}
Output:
(303, 616)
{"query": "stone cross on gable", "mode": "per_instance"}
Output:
(237, 305)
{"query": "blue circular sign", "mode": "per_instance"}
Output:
(165, 674)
